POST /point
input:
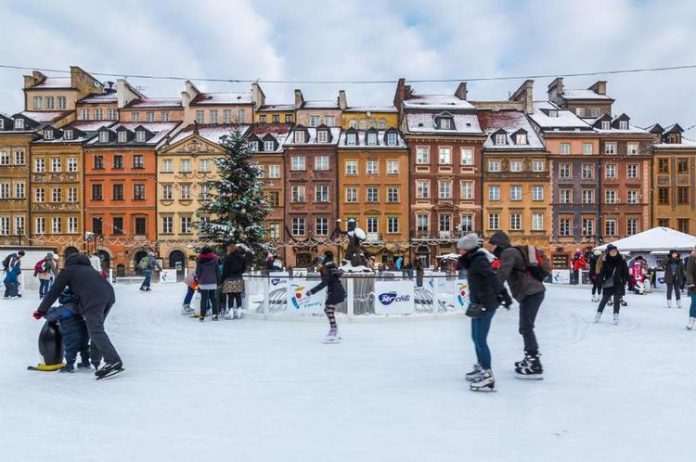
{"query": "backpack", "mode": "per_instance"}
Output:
(536, 262)
(144, 262)
(41, 266)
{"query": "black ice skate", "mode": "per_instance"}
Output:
(109, 369)
(530, 368)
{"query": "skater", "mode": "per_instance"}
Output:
(579, 263)
(233, 267)
(45, 270)
(638, 274)
(11, 259)
(691, 287)
(614, 277)
(207, 277)
(595, 267)
(674, 277)
(148, 264)
(331, 279)
(95, 298)
(12, 279)
(484, 290)
(74, 330)
(191, 287)
(529, 292)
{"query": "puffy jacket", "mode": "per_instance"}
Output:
(484, 286)
(13, 273)
(206, 269)
(513, 268)
(691, 273)
(675, 277)
(617, 268)
(234, 265)
(331, 279)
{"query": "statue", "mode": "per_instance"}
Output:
(355, 257)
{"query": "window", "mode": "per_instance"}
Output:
(351, 139)
(39, 165)
(445, 155)
(500, 138)
(494, 193)
(422, 155)
(588, 227)
(322, 136)
(20, 190)
(117, 227)
(372, 138)
(149, 116)
(663, 222)
(422, 223)
(372, 227)
(538, 192)
(135, 117)
(321, 226)
(538, 166)
(185, 166)
(297, 163)
(240, 115)
(50, 102)
(683, 225)
(565, 148)
(683, 195)
(19, 157)
(299, 136)
(40, 195)
(521, 138)
(112, 114)
(682, 166)
(515, 221)
(515, 166)
(351, 167)
(610, 171)
(494, 166)
(289, 118)
(37, 102)
(274, 171)
(62, 103)
(321, 193)
(204, 166)
(48, 134)
(140, 226)
(213, 116)
(632, 196)
(372, 167)
(185, 192)
(372, 195)
(186, 225)
(269, 145)
(392, 167)
(200, 117)
(466, 224)
(594, 112)
(623, 125)
(493, 221)
(274, 198)
(19, 226)
(167, 192)
(445, 189)
(167, 166)
(117, 192)
(565, 226)
(298, 226)
(588, 171)
(313, 121)
(445, 220)
(580, 111)
(56, 165)
(566, 196)
(167, 225)
(632, 148)
(587, 149)
(467, 156)
(40, 223)
(352, 195)
(72, 195)
(97, 225)
(610, 196)
(422, 189)
(445, 123)
(516, 193)
(226, 116)
(662, 165)
(298, 193)
(588, 196)
(610, 228)
(122, 136)
(253, 146)
(391, 139)
(68, 134)
(19, 124)
(98, 162)
(138, 161)
(632, 226)
(321, 163)
(72, 225)
(274, 228)
(632, 171)
(537, 221)
(663, 196)
(4, 190)
(4, 158)
(466, 189)
(164, 116)
(392, 225)
(5, 226)
(140, 136)
(139, 192)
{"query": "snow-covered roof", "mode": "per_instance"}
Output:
(55, 82)
(100, 98)
(362, 140)
(277, 107)
(222, 98)
(91, 125)
(686, 143)
(583, 94)
(655, 239)
(436, 102)
(212, 133)
(424, 122)
(312, 131)
(390, 109)
(279, 132)
(563, 120)
(159, 129)
(45, 116)
(154, 102)
(510, 122)
(321, 104)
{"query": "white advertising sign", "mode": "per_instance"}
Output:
(560, 276)
(298, 301)
(461, 294)
(168, 276)
(394, 297)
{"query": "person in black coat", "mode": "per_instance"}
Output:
(674, 277)
(613, 276)
(233, 267)
(95, 299)
(335, 293)
(596, 284)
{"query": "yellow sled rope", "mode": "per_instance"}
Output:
(48, 367)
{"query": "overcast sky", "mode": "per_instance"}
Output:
(375, 39)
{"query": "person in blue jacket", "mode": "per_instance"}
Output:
(74, 330)
(12, 280)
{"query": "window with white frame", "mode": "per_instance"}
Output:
(269, 145)
(587, 149)
(392, 167)
(565, 196)
(103, 137)
(72, 164)
(632, 171)
(112, 114)
(227, 116)
(122, 136)
(4, 157)
(538, 192)
(314, 121)
(588, 196)
(632, 149)
(298, 226)
(610, 196)
(580, 111)
(372, 194)
(445, 189)
(610, 148)
(516, 193)
(321, 193)
(72, 195)
(393, 194)
(445, 123)
(445, 155)
(351, 167)
(140, 136)
(372, 138)
(632, 226)
(185, 191)
(392, 139)
(594, 111)
(167, 224)
(500, 139)
(186, 225)
(149, 116)
(72, 225)
(37, 102)
(298, 193)
(588, 171)
(56, 223)
(40, 195)
(135, 117)
(623, 125)
(5, 191)
(351, 139)
(56, 195)
(56, 164)
(392, 225)
(565, 148)
(521, 138)
(167, 165)
(204, 166)
(19, 124)
(321, 226)
(467, 156)
(185, 166)
(322, 136)
(351, 194)
(515, 166)
(565, 226)
(241, 113)
(321, 163)
(164, 116)
(4, 226)
(445, 220)
(39, 165)
(372, 167)
(538, 165)
(466, 223)
(423, 155)
(20, 190)
(565, 171)
(493, 221)
(537, 221)
(610, 171)
(422, 222)
(515, 221)
(610, 227)
(494, 193)
(200, 116)
(297, 163)
(48, 134)
(632, 196)
(422, 189)
(494, 166)
(274, 171)
(213, 116)
(62, 102)
(606, 125)
(40, 225)
(372, 225)
(20, 227)
(466, 189)
(588, 226)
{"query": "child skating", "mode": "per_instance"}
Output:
(335, 293)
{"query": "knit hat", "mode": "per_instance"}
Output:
(49, 256)
(611, 247)
(468, 242)
(500, 238)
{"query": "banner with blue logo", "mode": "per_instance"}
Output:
(394, 297)
(299, 302)
(461, 294)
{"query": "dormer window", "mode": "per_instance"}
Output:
(553, 112)
(322, 136)
(104, 137)
(500, 139)
(606, 125)
(521, 138)
(254, 146)
(351, 139)
(140, 136)
(445, 123)
(19, 124)
(391, 139)
(122, 137)
(68, 134)
(674, 138)
(269, 145)
(299, 136)
(623, 125)
(48, 134)
(372, 139)
(2, 124)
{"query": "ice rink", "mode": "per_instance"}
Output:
(393, 390)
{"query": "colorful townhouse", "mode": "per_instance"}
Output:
(373, 189)
(315, 113)
(220, 108)
(445, 143)
(674, 179)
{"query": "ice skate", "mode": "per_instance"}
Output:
(610, 302)
(237, 313)
(690, 326)
(531, 368)
(332, 336)
(109, 370)
(473, 375)
(201, 318)
(228, 314)
(597, 317)
(615, 321)
(669, 303)
(483, 382)
(215, 317)
(67, 369)
(679, 304)
(624, 302)
(524, 362)
(84, 366)
(186, 310)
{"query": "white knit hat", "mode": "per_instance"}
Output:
(468, 242)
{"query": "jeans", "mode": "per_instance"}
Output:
(208, 296)
(529, 307)
(677, 292)
(692, 308)
(189, 295)
(100, 344)
(148, 277)
(609, 293)
(44, 285)
(75, 339)
(479, 334)
(11, 289)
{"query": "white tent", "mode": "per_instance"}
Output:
(656, 240)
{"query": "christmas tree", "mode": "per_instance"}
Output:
(236, 207)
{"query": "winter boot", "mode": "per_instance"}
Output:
(473, 375)
(624, 302)
(532, 368)
(679, 304)
(484, 382)
(690, 326)
(597, 316)
(186, 310)
(109, 369)
(669, 303)
(332, 336)
(237, 313)
(616, 319)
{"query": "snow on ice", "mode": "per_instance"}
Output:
(393, 390)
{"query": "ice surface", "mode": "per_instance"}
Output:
(393, 390)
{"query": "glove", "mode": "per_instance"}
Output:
(308, 294)
(37, 315)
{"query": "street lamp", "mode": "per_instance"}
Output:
(20, 232)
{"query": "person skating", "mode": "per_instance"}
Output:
(594, 269)
(614, 277)
(529, 293)
(674, 277)
(148, 264)
(485, 290)
(233, 267)
(45, 270)
(74, 330)
(331, 280)
(691, 288)
(11, 280)
(207, 277)
(191, 287)
(95, 300)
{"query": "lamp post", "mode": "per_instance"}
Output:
(20, 232)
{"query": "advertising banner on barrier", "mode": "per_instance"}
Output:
(168, 276)
(298, 301)
(394, 297)
(560, 276)
(461, 294)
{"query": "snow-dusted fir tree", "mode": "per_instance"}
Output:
(237, 208)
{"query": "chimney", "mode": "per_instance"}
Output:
(599, 87)
(555, 89)
(109, 87)
(257, 95)
(342, 100)
(125, 93)
(35, 78)
(461, 92)
(525, 95)
(299, 99)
